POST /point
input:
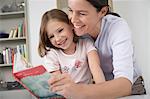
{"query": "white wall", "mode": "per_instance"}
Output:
(137, 14)
(35, 10)
(148, 49)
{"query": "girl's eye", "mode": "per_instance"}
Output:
(60, 30)
(51, 36)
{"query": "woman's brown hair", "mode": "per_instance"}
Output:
(99, 4)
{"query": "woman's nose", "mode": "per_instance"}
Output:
(74, 18)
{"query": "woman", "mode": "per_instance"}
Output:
(112, 38)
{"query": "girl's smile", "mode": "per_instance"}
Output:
(61, 35)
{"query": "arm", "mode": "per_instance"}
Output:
(107, 90)
(94, 64)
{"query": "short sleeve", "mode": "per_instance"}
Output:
(51, 62)
(89, 44)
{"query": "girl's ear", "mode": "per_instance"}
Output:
(103, 11)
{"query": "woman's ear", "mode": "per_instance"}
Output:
(103, 11)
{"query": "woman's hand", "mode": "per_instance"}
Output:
(61, 84)
(65, 86)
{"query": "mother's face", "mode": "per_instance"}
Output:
(84, 17)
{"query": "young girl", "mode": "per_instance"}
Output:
(64, 52)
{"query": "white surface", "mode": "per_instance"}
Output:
(15, 94)
(137, 14)
(137, 97)
(35, 10)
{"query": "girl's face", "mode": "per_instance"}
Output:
(84, 17)
(60, 34)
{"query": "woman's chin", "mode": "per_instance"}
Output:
(79, 33)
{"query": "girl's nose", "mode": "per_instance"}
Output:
(57, 39)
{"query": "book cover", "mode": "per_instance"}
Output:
(34, 79)
(19, 30)
(15, 32)
(11, 33)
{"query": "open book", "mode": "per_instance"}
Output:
(34, 79)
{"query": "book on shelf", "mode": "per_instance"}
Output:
(33, 78)
(24, 28)
(18, 31)
(25, 51)
(8, 53)
(11, 33)
(15, 33)
(4, 56)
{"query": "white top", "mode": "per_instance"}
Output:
(76, 64)
(115, 47)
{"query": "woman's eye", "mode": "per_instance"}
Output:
(60, 30)
(70, 10)
(82, 13)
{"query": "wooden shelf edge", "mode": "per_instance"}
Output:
(12, 39)
(5, 65)
(11, 13)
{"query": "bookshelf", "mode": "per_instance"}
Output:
(13, 35)
(9, 20)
